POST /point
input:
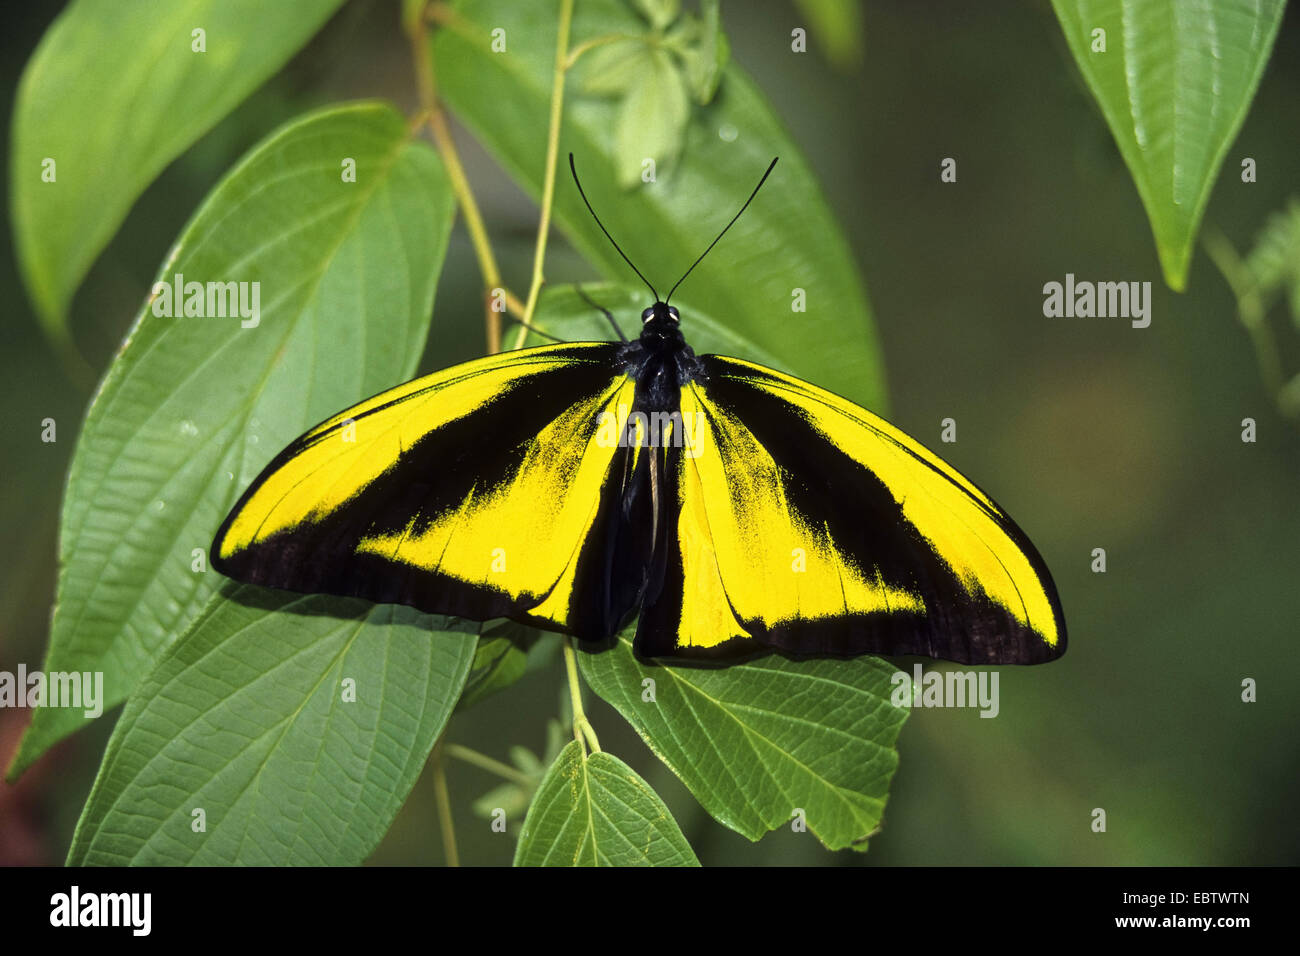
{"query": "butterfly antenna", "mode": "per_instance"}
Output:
(574, 170)
(770, 167)
(532, 328)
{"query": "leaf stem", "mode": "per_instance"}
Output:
(583, 732)
(576, 53)
(1251, 313)
(431, 112)
(443, 801)
(552, 153)
(484, 762)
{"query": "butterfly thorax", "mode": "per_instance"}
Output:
(660, 361)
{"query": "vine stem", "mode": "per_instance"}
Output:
(484, 762)
(583, 732)
(443, 799)
(431, 114)
(552, 153)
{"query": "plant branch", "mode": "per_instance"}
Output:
(576, 53)
(431, 112)
(552, 152)
(484, 762)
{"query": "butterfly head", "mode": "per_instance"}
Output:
(660, 328)
(662, 313)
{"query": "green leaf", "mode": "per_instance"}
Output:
(113, 93)
(706, 56)
(756, 742)
(652, 119)
(660, 13)
(595, 811)
(501, 659)
(1175, 83)
(248, 718)
(836, 27)
(193, 408)
(786, 240)
(613, 69)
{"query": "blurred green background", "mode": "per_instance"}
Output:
(1091, 433)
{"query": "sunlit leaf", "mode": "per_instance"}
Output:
(763, 742)
(1174, 81)
(114, 92)
(593, 810)
(193, 408)
(296, 725)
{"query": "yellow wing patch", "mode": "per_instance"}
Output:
(523, 535)
(963, 527)
(744, 547)
(342, 456)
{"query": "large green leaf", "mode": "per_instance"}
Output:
(1174, 83)
(759, 741)
(193, 408)
(595, 811)
(787, 240)
(113, 93)
(296, 724)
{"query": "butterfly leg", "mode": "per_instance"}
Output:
(587, 299)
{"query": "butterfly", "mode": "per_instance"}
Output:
(576, 485)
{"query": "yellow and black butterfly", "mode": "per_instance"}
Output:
(574, 485)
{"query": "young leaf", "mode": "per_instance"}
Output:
(1174, 81)
(660, 13)
(758, 742)
(114, 92)
(595, 811)
(652, 119)
(704, 50)
(613, 69)
(193, 407)
(296, 725)
(786, 252)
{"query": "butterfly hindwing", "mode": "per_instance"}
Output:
(480, 491)
(804, 523)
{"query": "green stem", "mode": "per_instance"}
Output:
(484, 762)
(552, 153)
(1250, 312)
(443, 800)
(583, 732)
(576, 53)
(431, 113)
